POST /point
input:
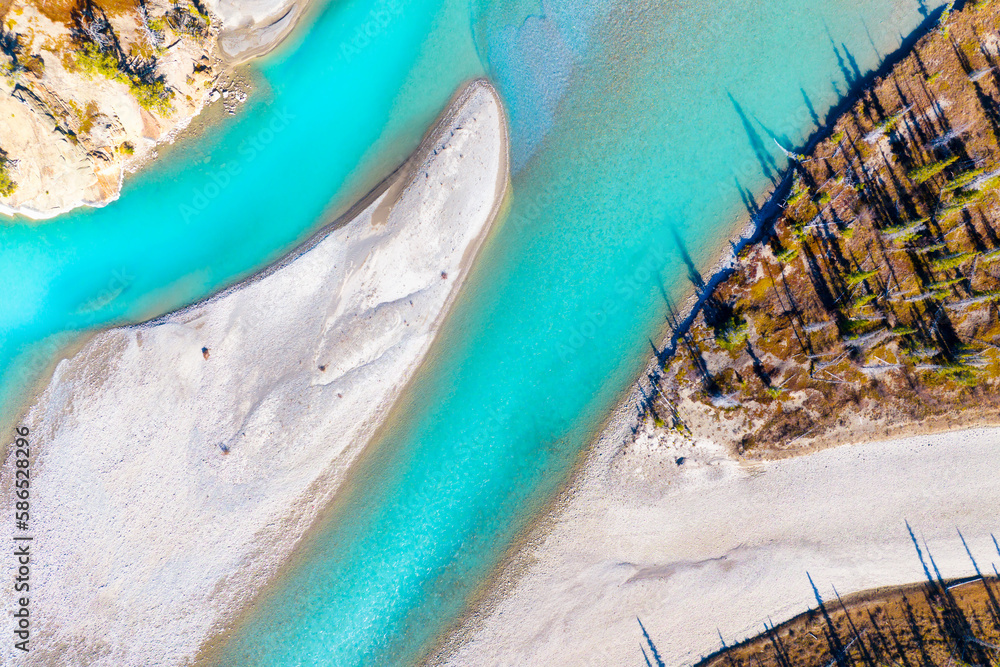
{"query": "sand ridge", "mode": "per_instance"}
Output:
(176, 464)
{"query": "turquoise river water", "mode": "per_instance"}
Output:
(636, 132)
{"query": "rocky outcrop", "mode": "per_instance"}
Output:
(89, 88)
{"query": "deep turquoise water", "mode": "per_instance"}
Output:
(635, 129)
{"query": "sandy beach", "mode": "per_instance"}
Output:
(696, 544)
(252, 29)
(176, 464)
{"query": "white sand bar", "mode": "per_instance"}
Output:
(254, 27)
(149, 537)
(708, 547)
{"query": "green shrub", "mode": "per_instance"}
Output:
(797, 197)
(910, 235)
(963, 179)
(863, 300)
(92, 61)
(945, 284)
(852, 329)
(151, 95)
(945, 15)
(732, 332)
(952, 261)
(788, 255)
(774, 392)
(932, 248)
(990, 257)
(799, 191)
(929, 171)
(905, 231)
(855, 278)
(890, 123)
(7, 184)
(965, 197)
(959, 372)
(895, 229)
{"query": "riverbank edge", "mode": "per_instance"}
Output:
(621, 422)
(35, 215)
(210, 652)
(881, 596)
(393, 183)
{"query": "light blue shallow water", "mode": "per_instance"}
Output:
(634, 130)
